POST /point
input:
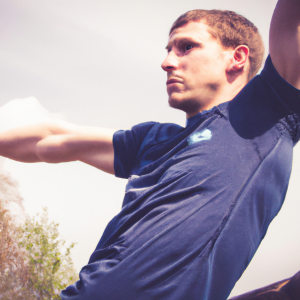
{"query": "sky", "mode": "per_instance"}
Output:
(97, 63)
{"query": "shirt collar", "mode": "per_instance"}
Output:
(221, 109)
(192, 120)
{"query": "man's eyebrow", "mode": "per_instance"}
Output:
(180, 40)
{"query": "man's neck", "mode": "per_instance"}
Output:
(224, 94)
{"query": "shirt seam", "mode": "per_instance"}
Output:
(232, 206)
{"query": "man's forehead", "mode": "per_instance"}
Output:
(194, 30)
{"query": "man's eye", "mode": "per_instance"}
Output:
(188, 47)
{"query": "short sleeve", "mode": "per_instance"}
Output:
(126, 145)
(289, 95)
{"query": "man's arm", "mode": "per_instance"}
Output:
(285, 40)
(60, 142)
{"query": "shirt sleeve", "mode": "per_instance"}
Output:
(288, 94)
(126, 145)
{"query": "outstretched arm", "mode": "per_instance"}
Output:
(60, 142)
(285, 40)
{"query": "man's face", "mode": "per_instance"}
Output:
(196, 66)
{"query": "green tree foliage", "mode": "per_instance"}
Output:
(35, 262)
(49, 262)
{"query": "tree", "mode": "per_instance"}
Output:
(13, 268)
(35, 263)
(50, 265)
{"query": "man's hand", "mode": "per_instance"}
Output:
(60, 142)
(285, 40)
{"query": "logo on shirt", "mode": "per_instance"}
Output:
(199, 136)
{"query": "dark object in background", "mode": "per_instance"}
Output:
(288, 289)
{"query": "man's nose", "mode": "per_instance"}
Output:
(170, 63)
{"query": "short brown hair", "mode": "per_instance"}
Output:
(232, 30)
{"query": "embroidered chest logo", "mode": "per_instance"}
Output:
(203, 135)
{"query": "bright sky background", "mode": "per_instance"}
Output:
(97, 63)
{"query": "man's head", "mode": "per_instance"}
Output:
(210, 53)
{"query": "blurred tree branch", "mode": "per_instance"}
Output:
(34, 262)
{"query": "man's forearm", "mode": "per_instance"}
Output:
(60, 142)
(20, 143)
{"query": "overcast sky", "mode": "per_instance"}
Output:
(98, 63)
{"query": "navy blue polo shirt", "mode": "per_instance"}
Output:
(199, 199)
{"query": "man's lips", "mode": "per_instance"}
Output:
(174, 80)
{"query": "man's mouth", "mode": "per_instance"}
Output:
(174, 80)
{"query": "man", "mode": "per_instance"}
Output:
(199, 199)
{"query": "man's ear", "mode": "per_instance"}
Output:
(239, 59)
